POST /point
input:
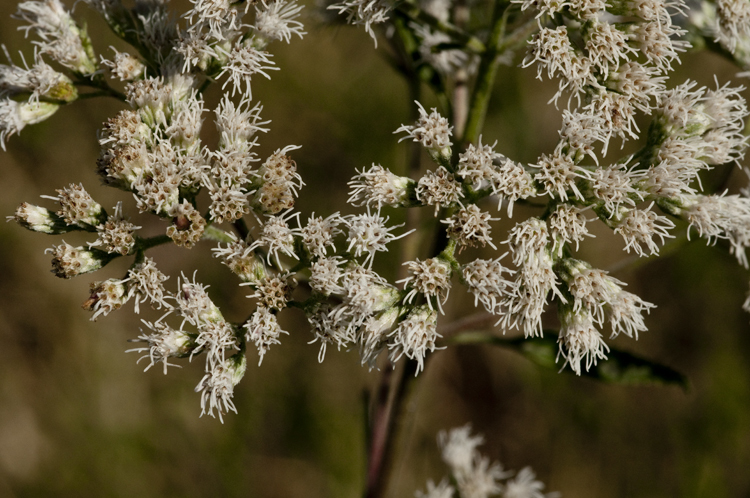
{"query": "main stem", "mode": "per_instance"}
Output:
(393, 382)
(486, 73)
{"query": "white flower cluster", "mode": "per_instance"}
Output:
(475, 476)
(612, 60)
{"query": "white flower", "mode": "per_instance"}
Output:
(607, 45)
(146, 283)
(659, 41)
(567, 224)
(373, 335)
(187, 224)
(218, 15)
(524, 485)
(580, 342)
(194, 304)
(151, 98)
(277, 238)
(614, 187)
(368, 234)
(367, 292)
(77, 207)
(364, 12)
(263, 330)
(241, 260)
(511, 182)
(638, 82)
(440, 9)
(431, 278)
(431, 130)
(187, 121)
(217, 386)
(475, 164)
(485, 280)
(40, 80)
(319, 234)
(116, 235)
(69, 261)
(279, 182)
(459, 448)
(38, 219)
(124, 66)
(527, 238)
(639, 227)
(733, 18)
(442, 490)
(163, 344)
(578, 134)
(243, 61)
(277, 20)
(720, 216)
(328, 330)
(228, 202)
(14, 116)
(415, 335)
(60, 36)
(444, 61)
(273, 292)
(106, 297)
(377, 187)
(439, 189)
(470, 227)
(558, 175)
(325, 274)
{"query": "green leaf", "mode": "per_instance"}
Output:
(620, 367)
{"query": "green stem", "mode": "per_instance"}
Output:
(241, 228)
(211, 232)
(145, 244)
(497, 44)
(416, 14)
(101, 85)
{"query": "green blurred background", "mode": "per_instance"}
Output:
(78, 417)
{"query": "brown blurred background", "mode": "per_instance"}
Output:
(80, 418)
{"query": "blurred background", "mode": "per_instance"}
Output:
(78, 417)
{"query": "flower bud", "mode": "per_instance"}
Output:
(69, 261)
(39, 219)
